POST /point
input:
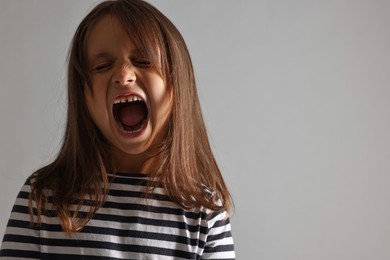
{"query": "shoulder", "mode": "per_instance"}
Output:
(25, 190)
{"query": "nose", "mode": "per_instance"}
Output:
(124, 75)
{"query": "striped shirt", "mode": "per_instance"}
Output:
(127, 226)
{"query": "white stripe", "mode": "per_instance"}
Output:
(20, 246)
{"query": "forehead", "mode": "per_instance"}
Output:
(108, 35)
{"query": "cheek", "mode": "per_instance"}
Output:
(160, 92)
(163, 102)
(164, 112)
(96, 108)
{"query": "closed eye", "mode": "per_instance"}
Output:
(102, 67)
(142, 63)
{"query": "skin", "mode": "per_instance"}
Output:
(117, 71)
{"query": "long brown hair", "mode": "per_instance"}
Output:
(184, 163)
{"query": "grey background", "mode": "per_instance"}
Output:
(295, 96)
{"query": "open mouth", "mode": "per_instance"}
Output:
(130, 114)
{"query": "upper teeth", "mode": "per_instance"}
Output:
(131, 98)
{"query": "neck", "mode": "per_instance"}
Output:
(132, 163)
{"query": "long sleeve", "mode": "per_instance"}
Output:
(20, 239)
(219, 244)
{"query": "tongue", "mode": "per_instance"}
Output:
(132, 114)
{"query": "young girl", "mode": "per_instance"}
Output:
(135, 177)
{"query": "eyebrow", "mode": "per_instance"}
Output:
(105, 55)
(100, 55)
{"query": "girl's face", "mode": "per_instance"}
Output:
(129, 101)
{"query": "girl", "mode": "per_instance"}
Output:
(135, 177)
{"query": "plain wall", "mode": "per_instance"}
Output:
(296, 97)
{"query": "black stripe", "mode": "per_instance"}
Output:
(221, 223)
(23, 195)
(104, 231)
(18, 223)
(74, 243)
(219, 236)
(155, 209)
(22, 209)
(21, 239)
(51, 256)
(221, 248)
(127, 175)
(151, 222)
(120, 179)
(130, 233)
(20, 253)
(118, 247)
